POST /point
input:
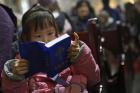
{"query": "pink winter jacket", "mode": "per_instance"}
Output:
(84, 71)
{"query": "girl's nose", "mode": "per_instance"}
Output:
(44, 39)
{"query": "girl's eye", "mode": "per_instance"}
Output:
(50, 33)
(38, 36)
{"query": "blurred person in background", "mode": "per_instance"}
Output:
(13, 17)
(81, 13)
(63, 21)
(106, 22)
(137, 6)
(7, 29)
(136, 45)
(131, 16)
(133, 63)
(112, 12)
(132, 58)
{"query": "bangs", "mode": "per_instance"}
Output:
(39, 21)
(36, 21)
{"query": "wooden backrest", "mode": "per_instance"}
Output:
(115, 38)
(112, 41)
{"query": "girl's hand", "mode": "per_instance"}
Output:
(74, 48)
(20, 67)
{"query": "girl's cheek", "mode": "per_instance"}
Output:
(53, 37)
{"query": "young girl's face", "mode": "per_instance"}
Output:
(45, 35)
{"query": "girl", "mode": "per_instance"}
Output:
(39, 25)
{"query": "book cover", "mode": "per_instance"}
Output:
(50, 58)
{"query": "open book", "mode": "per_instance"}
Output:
(50, 58)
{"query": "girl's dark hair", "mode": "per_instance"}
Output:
(79, 4)
(36, 18)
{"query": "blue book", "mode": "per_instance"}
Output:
(50, 58)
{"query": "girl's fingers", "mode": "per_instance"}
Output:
(76, 39)
(72, 45)
(22, 72)
(74, 48)
(73, 53)
(21, 68)
(20, 63)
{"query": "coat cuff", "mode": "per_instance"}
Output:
(8, 71)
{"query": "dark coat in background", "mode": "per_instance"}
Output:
(7, 29)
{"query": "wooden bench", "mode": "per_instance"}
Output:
(113, 41)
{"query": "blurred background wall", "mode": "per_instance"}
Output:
(20, 6)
